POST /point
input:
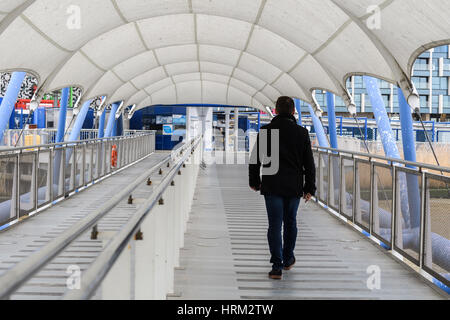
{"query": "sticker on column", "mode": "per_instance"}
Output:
(167, 129)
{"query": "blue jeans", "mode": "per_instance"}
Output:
(281, 211)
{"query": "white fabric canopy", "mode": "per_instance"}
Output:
(234, 52)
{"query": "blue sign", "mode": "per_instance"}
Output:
(167, 129)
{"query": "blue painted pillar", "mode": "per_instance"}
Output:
(299, 110)
(115, 128)
(9, 100)
(101, 125)
(332, 120)
(320, 132)
(111, 120)
(387, 137)
(365, 129)
(382, 119)
(434, 131)
(119, 126)
(259, 121)
(409, 151)
(62, 115)
(75, 133)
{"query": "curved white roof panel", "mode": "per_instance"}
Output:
(238, 52)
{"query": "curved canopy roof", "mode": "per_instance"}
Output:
(235, 52)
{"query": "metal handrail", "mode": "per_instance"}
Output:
(93, 277)
(69, 143)
(393, 160)
(24, 270)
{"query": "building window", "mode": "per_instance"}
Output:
(446, 101)
(359, 82)
(420, 82)
(440, 83)
(421, 64)
(424, 101)
(442, 49)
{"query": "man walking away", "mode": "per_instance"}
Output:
(294, 179)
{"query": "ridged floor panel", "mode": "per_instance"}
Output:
(226, 255)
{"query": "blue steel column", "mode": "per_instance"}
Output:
(62, 115)
(409, 151)
(382, 119)
(111, 120)
(101, 125)
(259, 121)
(332, 120)
(299, 110)
(81, 117)
(9, 100)
(320, 132)
(387, 136)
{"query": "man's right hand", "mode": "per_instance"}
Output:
(256, 189)
(307, 197)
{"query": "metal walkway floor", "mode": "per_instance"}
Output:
(226, 255)
(29, 236)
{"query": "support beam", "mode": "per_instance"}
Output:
(320, 131)
(409, 151)
(236, 129)
(227, 129)
(111, 120)
(101, 124)
(382, 118)
(62, 115)
(259, 121)
(9, 100)
(299, 111)
(115, 129)
(387, 138)
(81, 117)
(332, 120)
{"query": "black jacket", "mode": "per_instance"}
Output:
(296, 174)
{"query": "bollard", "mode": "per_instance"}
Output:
(139, 236)
(94, 233)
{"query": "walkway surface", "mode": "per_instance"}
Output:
(226, 254)
(29, 236)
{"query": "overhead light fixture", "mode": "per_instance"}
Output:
(119, 110)
(414, 102)
(269, 111)
(352, 109)
(131, 113)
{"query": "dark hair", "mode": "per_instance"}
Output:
(285, 105)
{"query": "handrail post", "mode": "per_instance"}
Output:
(35, 186)
(422, 220)
(342, 191)
(394, 206)
(330, 188)
(374, 222)
(355, 193)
